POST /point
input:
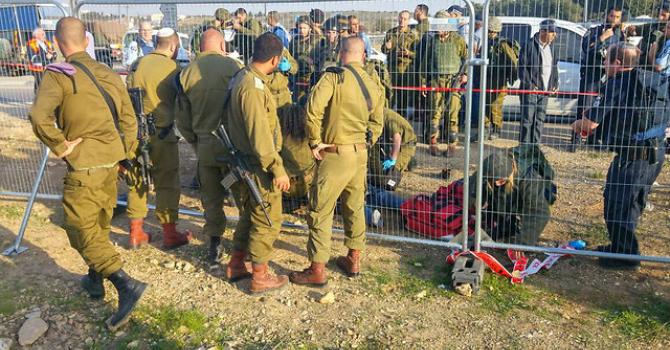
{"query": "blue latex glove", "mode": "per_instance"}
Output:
(388, 164)
(284, 65)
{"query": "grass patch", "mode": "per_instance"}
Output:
(407, 284)
(166, 327)
(594, 234)
(499, 295)
(647, 320)
(597, 175)
(11, 212)
(594, 155)
(8, 302)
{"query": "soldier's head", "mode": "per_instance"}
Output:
(614, 15)
(304, 29)
(39, 34)
(403, 19)
(145, 30)
(71, 35)
(547, 31)
(664, 13)
(331, 32)
(267, 52)
(317, 16)
(421, 12)
(354, 24)
(273, 18)
(352, 49)
(500, 169)
(456, 11)
(241, 14)
(495, 27)
(621, 57)
(212, 40)
(222, 15)
(442, 14)
(167, 41)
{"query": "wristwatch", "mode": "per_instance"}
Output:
(313, 146)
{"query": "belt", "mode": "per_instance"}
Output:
(351, 147)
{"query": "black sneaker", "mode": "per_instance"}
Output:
(215, 252)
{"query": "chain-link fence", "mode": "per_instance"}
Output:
(535, 68)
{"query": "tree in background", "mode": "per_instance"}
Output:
(568, 10)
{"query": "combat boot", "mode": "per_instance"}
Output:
(92, 284)
(350, 264)
(262, 281)
(433, 148)
(130, 291)
(237, 269)
(138, 237)
(314, 276)
(172, 238)
(215, 250)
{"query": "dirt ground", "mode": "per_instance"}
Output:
(402, 300)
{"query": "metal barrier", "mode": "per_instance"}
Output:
(576, 213)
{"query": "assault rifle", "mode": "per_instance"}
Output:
(145, 129)
(239, 171)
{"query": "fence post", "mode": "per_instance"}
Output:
(17, 249)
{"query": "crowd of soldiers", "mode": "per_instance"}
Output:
(306, 115)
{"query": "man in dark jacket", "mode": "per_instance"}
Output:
(638, 105)
(538, 71)
(594, 50)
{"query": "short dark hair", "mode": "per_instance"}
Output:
(240, 11)
(266, 46)
(423, 8)
(615, 8)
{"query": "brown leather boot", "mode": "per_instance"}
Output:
(433, 148)
(314, 276)
(173, 238)
(350, 264)
(237, 268)
(137, 237)
(262, 281)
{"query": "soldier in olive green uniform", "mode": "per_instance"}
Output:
(73, 119)
(398, 143)
(503, 60)
(279, 82)
(303, 48)
(298, 159)
(399, 47)
(221, 21)
(378, 71)
(199, 104)
(339, 115)
(248, 29)
(441, 57)
(327, 52)
(154, 74)
(251, 120)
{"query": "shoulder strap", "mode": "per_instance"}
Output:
(364, 89)
(108, 99)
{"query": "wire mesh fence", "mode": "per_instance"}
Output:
(542, 184)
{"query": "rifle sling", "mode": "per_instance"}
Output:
(364, 89)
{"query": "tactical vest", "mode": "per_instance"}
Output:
(445, 58)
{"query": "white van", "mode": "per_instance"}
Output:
(568, 48)
(183, 55)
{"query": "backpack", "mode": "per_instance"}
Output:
(439, 215)
(529, 157)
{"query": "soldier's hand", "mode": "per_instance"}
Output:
(316, 151)
(464, 79)
(283, 183)
(389, 44)
(424, 93)
(70, 145)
